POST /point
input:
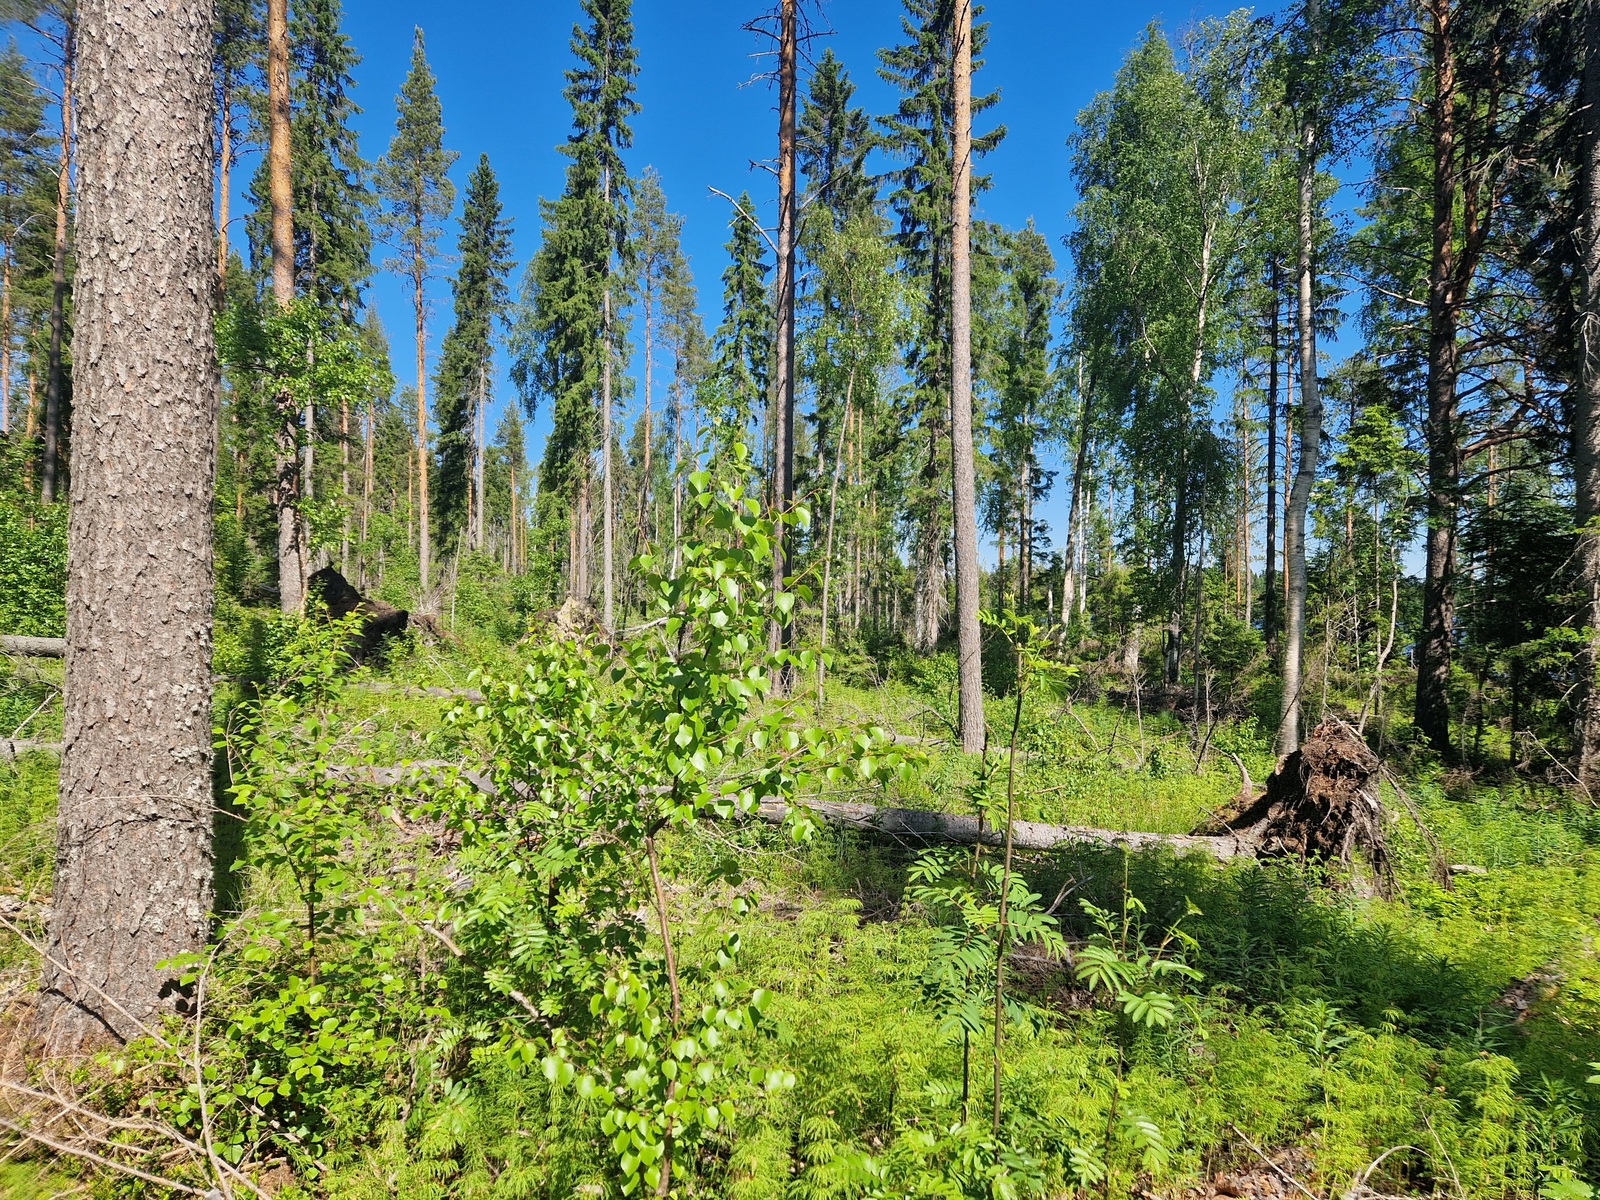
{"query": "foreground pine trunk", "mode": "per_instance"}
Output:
(133, 844)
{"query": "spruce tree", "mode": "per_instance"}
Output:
(462, 378)
(834, 140)
(418, 196)
(564, 340)
(742, 345)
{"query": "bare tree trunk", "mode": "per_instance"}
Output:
(783, 381)
(286, 488)
(1294, 516)
(607, 618)
(424, 522)
(1586, 408)
(677, 462)
(1269, 587)
(963, 483)
(1069, 556)
(55, 377)
(224, 180)
(133, 832)
(477, 457)
(344, 485)
(5, 339)
(369, 418)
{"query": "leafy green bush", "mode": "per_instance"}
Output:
(33, 568)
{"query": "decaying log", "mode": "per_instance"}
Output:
(33, 647)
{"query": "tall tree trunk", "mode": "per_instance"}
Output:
(1586, 407)
(55, 377)
(286, 487)
(1269, 593)
(833, 505)
(783, 373)
(424, 521)
(963, 485)
(344, 485)
(224, 178)
(649, 363)
(133, 831)
(1294, 515)
(1432, 711)
(477, 456)
(608, 499)
(677, 460)
(5, 339)
(1069, 556)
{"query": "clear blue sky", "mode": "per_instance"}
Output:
(499, 66)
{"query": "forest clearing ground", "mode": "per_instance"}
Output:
(1330, 1024)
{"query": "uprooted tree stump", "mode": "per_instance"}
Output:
(379, 621)
(1321, 804)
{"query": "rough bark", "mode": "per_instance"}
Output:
(963, 485)
(55, 375)
(1294, 514)
(133, 850)
(1586, 407)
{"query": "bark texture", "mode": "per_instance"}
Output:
(133, 850)
(963, 485)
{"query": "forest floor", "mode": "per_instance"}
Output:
(1441, 1042)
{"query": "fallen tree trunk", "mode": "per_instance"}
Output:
(924, 827)
(900, 824)
(14, 748)
(33, 647)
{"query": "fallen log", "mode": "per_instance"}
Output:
(33, 647)
(12, 749)
(912, 825)
(924, 827)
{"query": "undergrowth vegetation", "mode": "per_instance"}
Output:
(527, 934)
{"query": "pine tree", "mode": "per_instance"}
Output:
(918, 133)
(564, 342)
(418, 196)
(134, 859)
(742, 344)
(461, 382)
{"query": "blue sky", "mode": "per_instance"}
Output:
(499, 65)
